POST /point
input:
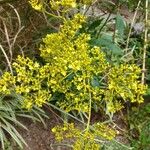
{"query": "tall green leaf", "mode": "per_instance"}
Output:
(107, 42)
(120, 25)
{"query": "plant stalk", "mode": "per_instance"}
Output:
(145, 43)
(132, 24)
(89, 116)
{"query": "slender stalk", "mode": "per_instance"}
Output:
(55, 107)
(90, 107)
(8, 40)
(114, 33)
(132, 24)
(7, 59)
(89, 117)
(145, 42)
(55, 16)
(107, 19)
(17, 14)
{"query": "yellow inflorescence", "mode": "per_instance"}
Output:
(123, 83)
(36, 4)
(65, 4)
(71, 66)
(65, 131)
(59, 5)
(83, 140)
(29, 81)
(56, 4)
(70, 55)
(7, 82)
(86, 142)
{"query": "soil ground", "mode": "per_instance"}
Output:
(40, 137)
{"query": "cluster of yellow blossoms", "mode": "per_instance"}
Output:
(57, 4)
(62, 5)
(7, 82)
(123, 83)
(83, 139)
(76, 70)
(28, 82)
(37, 4)
(73, 63)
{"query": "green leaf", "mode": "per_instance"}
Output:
(95, 24)
(13, 135)
(2, 138)
(148, 91)
(120, 25)
(95, 82)
(106, 42)
(16, 122)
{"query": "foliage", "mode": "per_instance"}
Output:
(8, 120)
(10, 111)
(139, 122)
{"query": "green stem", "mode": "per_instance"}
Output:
(62, 111)
(104, 24)
(89, 117)
(55, 16)
(90, 107)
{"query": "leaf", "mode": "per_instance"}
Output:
(120, 25)
(148, 91)
(13, 135)
(106, 41)
(148, 77)
(95, 82)
(2, 138)
(16, 122)
(95, 24)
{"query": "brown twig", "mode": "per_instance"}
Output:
(145, 43)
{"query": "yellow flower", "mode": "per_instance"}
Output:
(65, 4)
(7, 83)
(83, 140)
(36, 4)
(123, 83)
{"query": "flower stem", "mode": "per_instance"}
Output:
(90, 107)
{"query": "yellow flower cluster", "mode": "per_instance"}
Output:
(71, 68)
(123, 83)
(83, 140)
(66, 131)
(73, 63)
(7, 83)
(29, 81)
(36, 4)
(104, 131)
(65, 4)
(57, 4)
(60, 5)
(86, 142)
